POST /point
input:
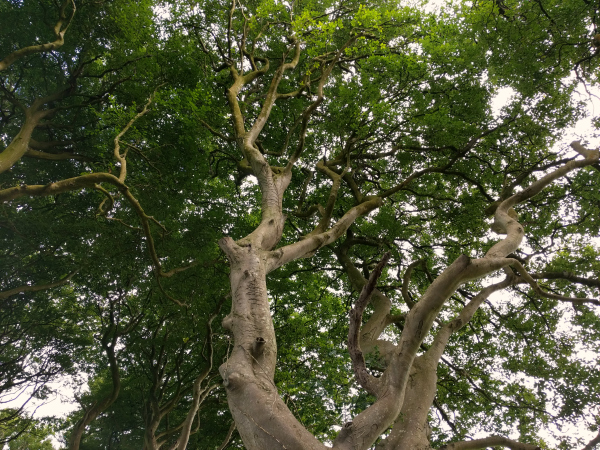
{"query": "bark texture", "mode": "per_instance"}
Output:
(406, 390)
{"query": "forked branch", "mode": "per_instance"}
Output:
(122, 157)
(308, 246)
(526, 278)
(93, 180)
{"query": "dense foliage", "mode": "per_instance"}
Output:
(138, 133)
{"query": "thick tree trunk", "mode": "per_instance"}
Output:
(262, 418)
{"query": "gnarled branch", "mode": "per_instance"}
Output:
(368, 382)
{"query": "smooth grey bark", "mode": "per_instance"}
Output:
(263, 420)
(407, 387)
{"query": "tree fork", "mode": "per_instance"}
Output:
(262, 418)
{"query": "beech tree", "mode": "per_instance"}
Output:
(409, 265)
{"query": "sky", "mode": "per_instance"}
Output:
(59, 404)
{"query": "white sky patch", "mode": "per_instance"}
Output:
(584, 129)
(501, 99)
(58, 404)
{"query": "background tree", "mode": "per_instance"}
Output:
(23, 433)
(316, 136)
(89, 325)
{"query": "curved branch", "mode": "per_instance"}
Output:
(421, 317)
(466, 314)
(170, 297)
(31, 153)
(58, 187)
(443, 169)
(490, 441)
(37, 287)
(593, 443)
(565, 275)
(59, 33)
(261, 120)
(216, 133)
(366, 380)
(380, 318)
(92, 180)
(333, 193)
(198, 394)
(504, 219)
(108, 342)
(121, 158)
(20, 144)
(228, 436)
(536, 287)
(313, 106)
(406, 280)
(308, 246)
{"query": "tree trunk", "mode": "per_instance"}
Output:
(262, 418)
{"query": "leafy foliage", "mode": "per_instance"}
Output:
(134, 168)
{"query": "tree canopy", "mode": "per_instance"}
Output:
(300, 224)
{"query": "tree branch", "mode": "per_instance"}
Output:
(366, 380)
(536, 287)
(313, 106)
(406, 280)
(593, 443)
(121, 158)
(31, 153)
(565, 275)
(504, 221)
(198, 394)
(490, 441)
(37, 287)
(92, 180)
(59, 33)
(227, 437)
(108, 342)
(333, 193)
(308, 246)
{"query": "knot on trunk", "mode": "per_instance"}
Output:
(231, 381)
(227, 323)
(258, 346)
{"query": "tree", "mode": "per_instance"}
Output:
(153, 387)
(12, 429)
(351, 155)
